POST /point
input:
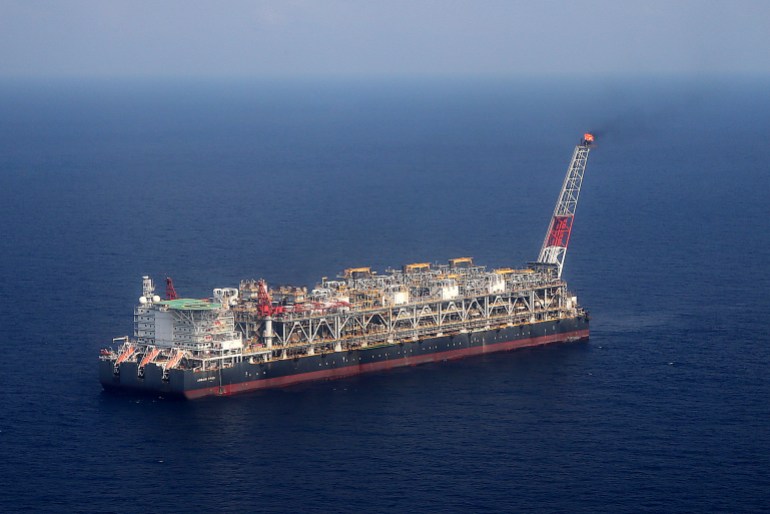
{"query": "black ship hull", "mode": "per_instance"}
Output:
(246, 376)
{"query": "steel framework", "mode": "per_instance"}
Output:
(522, 296)
(557, 236)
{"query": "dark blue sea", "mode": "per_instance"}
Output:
(666, 409)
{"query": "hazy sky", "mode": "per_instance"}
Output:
(334, 37)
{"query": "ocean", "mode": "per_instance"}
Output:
(665, 409)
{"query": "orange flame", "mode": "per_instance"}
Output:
(589, 138)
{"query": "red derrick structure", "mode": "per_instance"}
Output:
(170, 291)
(264, 302)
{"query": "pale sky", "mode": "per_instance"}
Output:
(241, 38)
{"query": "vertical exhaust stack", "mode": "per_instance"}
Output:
(557, 237)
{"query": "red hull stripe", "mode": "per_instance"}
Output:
(348, 371)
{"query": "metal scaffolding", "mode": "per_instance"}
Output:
(362, 309)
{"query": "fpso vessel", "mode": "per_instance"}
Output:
(253, 337)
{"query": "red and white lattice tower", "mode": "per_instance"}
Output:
(557, 237)
(264, 302)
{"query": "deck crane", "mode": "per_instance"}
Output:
(557, 237)
(170, 291)
(264, 302)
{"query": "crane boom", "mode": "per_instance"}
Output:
(557, 237)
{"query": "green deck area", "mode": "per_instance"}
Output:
(190, 304)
